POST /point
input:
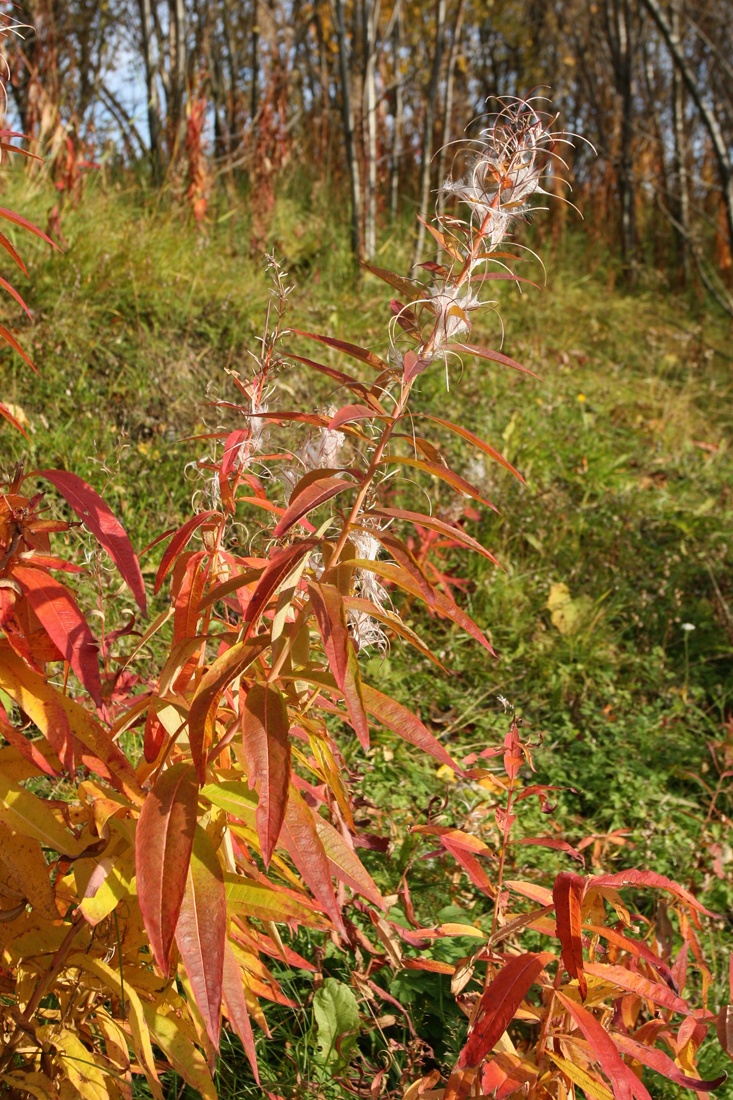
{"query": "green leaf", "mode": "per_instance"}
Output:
(337, 1023)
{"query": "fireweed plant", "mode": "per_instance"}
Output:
(164, 829)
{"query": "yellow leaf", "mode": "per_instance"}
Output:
(591, 1086)
(86, 1075)
(567, 614)
(256, 900)
(23, 868)
(111, 880)
(446, 773)
(186, 1059)
(37, 1084)
(22, 812)
(138, 1025)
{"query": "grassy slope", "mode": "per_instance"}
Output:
(624, 444)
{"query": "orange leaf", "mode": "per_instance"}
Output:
(281, 563)
(567, 893)
(499, 1004)
(59, 614)
(104, 525)
(201, 931)
(330, 612)
(177, 543)
(494, 356)
(352, 350)
(163, 844)
(624, 1081)
(235, 1007)
(318, 492)
(637, 983)
(265, 729)
(304, 846)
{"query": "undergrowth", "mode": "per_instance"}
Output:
(613, 616)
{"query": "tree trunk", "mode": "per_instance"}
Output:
(151, 87)
(681, 178)
(427, 143)
(398, 117)
(370, 119)
(706, 110)
(347, 117)
(448, 108)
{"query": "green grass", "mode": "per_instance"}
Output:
(625, 446)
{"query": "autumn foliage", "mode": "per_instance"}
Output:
(167, 821)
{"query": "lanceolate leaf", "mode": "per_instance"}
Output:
(657, 992)
(448, 529)
(185, 1058)
(104, 525)
(567, 894)
(202, 715)
(441, 603)
(499, 1003)
(662, 1063)
(177, 543)
(318, 492)
(470, 437)
(277, 570)
(648, 878)
(625, 1083)
(255, 899)
(235, 1007)
(163, 844)
(346, 865)
(304, 846)
(64, 623)
(494, 356)
(58, 718)
(404, 723)
(201, 931)
(443, 473)
(265, 729)
(328, 606)
(352, 350)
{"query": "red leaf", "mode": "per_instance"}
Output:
(451, 530)
(499, 1003)
(10, 249)
(637, 983)
(352, 350)
(494, 356)
(567, 893)
(265, 729)
(177, 543)
(346, 380)
(64, 623)
(104, 525)
(624, 1081)
(328, 606)
(281, 563)
(662, 1063)
(17, 219)
(441, 603)
(163, 844)
(724, 1029)
(472, 438)
(187, 588)
(349, 413)
(11, 290)
(201, 931)
(6, 413)
(443, 473)
(10, 339)
(235, 1006)
(202, 715)
(318, 492)
(648, 878)
(405, 724)
(551, 842)
(303, 844)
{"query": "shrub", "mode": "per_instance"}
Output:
(166, 813)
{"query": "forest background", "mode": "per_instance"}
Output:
(184, 140)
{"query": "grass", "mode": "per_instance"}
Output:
(625, 446)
